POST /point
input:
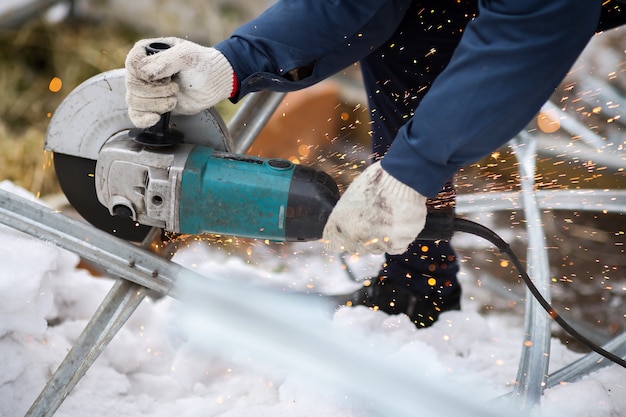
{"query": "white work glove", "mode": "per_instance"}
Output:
(184, 79)
(377, 214)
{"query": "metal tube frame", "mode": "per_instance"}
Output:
(126, 296)
(128, 292)
(534, 360)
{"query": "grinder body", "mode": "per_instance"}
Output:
(194, 189)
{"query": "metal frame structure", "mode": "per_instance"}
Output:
(533, 377)
(141, 271)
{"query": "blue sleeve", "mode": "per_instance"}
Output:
(507, 64)
(320, 36)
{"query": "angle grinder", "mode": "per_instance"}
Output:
(187, 182)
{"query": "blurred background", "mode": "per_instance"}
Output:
(48, 47)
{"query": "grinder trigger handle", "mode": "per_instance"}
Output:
(161, 134)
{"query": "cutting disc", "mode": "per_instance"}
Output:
(88, 117)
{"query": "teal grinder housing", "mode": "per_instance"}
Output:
(253, 197)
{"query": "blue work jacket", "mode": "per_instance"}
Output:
(508, 62)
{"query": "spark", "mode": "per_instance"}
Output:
(432, 51)
(371, 241)
(55, 84)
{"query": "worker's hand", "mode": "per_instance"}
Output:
(376, 214)
(184, 79)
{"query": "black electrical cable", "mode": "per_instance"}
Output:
(468, 226)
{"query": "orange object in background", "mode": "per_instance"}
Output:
(303, 126)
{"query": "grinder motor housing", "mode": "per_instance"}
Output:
(194, 189)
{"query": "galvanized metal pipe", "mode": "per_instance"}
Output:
(114, 311)
(535, 358)
(589, 363)
(251, 117)
(612, 201)
(119, 304)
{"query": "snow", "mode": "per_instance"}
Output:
(282, 355)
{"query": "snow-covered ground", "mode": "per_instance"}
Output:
(171, 360)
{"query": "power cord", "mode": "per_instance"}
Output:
(468, 226)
